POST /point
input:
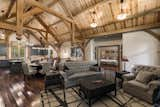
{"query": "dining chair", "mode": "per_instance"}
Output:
(28, 70)
(45, 68)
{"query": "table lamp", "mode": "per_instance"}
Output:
(125, 60)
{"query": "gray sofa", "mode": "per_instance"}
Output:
(75, 71)
(135, 83)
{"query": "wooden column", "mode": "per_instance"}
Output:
(7, 44)
(58, 50)
(20, 8)
(73, 33)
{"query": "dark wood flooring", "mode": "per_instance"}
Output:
(15, 92)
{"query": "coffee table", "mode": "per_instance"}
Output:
(94, 87)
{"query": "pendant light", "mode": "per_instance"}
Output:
(123, 15)
(93, 24)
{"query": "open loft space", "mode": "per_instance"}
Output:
(79, 53)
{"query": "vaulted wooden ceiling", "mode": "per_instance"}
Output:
(57, 21)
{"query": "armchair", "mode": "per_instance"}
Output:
(137, 88)
(27, 70)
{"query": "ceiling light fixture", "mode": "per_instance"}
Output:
(123, 15)
(93, 24)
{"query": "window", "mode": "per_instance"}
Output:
(3, 51)
(17, 50)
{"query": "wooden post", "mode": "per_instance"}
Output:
(20, 8)
(73, 33)
(58, 50)
(7, 44)
(84, 53)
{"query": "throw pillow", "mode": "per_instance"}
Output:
(144, 76)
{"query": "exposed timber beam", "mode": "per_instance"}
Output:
(12, 2)
(157, 36)
(51, 11)
(73, 33)
(90, 7)
(32, 28)
(30, 32)
(46, 40)
(12, 15)
(65, 8)
(47, 28)
(7, 26)
(66, 33)
(30, 20)
(108, 1)
(19, 8)
(37, 10)
(73, 28)
(42, 35)
(124, 30)
(57, 22)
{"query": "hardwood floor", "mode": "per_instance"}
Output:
(15, 92)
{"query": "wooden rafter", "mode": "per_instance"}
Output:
(46, 9)
(112, 13)
(73, 33)
(30, 20)
(37, 10)
(157, 36)
(57, 22)
(65, 8)
(20, 8)
(30, 32)
(10, 8)
(88, 8)
(4, 25)
(124, 30)
(12, 15)
(46, 40)
(42, 35)
(73, 28)
(47, 28)
(32, 28)
(65, 33)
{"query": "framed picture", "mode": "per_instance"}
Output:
(108, 57)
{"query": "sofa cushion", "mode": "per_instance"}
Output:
(81, 75)
(135, 85)
(144, 77)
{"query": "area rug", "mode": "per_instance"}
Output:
(73, 100)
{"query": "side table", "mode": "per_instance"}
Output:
(120, 76)
(54, 81)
